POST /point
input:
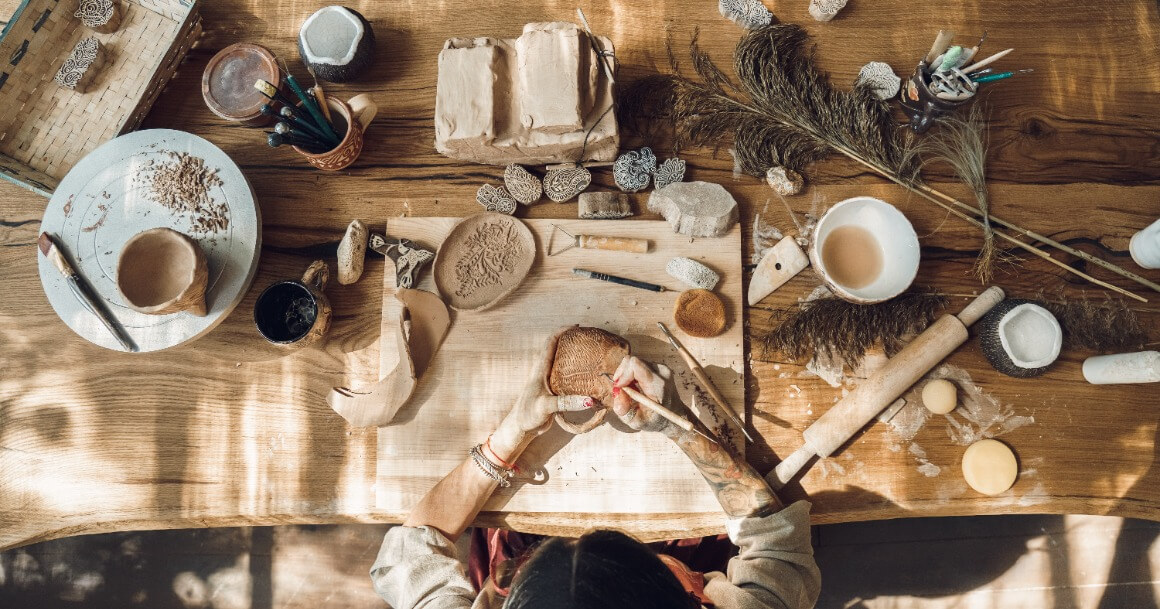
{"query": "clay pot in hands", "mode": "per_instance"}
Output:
(578, 357)
(162, 271)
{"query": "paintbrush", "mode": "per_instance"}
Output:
(83, 292)
(703, 378)
(311, 106)
(986, 62)
(652, 287)
(275, 140)
(286, 114)
(272, 92)
(656, 407)
(283, 128)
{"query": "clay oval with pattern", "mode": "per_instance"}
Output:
(482, 260)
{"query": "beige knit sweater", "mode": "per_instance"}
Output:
(417, 568)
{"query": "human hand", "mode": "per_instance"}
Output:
(655, 385)
(534, 408)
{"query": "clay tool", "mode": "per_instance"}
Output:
(601, 53)
(311, 106)
(704, 380)
(273, 93)
(286, 114)
(275, 140)
(656, 407)
(941, 42)
(319, 94)
(284, 128)
(593, 242)
(999, 76)
(652, 287)
(846, 418)
(83, 292)
(988, 61)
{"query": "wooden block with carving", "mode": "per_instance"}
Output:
(525, 100)
(697, 209)
(102, 16)
(81, 66)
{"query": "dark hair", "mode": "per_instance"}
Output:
(600, 570)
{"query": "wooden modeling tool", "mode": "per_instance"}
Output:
(311, 106)
(656, 407)
(876, 393)
(941, 43)
(83, 292)
(988, 61)
(319, 94)
(593, 242)
(652, 287)
(704, 380)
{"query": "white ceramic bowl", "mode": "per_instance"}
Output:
(895, 237)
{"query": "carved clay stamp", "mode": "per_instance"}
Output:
(669, 172)
(562, 184)
(495, 199)
(633, 169)
(523, 186)
(102, 16)
(408, 257)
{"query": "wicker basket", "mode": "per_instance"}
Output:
(45, 129)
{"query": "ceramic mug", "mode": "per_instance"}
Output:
(295, 313)
(893, 237)
(353, 117)
(161, 271)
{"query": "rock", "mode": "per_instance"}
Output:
(825, 10)
(525, 100)
(352, 252)
(523, 186)
(697, 209)
(780, 264)
(880, 77)
(749, 14)
(604, 206)
(784, 182)
(693, 273)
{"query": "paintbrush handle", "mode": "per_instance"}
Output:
(988, 61)
(652, 287)
(707, 384)
(312, 108)
(655, 406)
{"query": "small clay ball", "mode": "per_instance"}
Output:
(989, 466)
(939, 396)
(700, 313)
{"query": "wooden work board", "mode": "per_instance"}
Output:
(485, 361)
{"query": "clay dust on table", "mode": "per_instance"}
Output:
(182, 185)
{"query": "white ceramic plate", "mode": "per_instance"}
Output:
(102, 202)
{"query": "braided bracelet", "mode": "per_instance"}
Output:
(489, 469)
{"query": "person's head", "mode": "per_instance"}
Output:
(600, 570)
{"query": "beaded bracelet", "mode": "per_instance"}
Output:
(489, 469)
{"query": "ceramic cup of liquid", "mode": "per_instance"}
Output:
(865, 250)
(295, 313)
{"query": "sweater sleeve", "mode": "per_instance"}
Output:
(775, 568)
(418, 568)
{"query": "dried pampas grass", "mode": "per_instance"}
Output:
(832, 329)
(1100, 324)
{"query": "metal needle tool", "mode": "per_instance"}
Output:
(656, 407)
(705, 381)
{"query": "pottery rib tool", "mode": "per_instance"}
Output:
(941, 42)
(704, 380)
(876, 393)
(593, 242)
(656, 407)
(83, 292)
(652, 287)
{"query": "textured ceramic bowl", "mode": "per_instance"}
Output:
(896, 239)
(161, 271)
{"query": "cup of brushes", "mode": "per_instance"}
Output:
(327, 131)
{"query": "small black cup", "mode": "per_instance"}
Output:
(295, 313)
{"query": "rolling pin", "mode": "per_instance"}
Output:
(861, 405)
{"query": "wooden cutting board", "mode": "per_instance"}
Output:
(486, 358)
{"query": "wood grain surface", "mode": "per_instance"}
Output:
(483, 366)
(228, 430)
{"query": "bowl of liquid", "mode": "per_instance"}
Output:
(865, 250)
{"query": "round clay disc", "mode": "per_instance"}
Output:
(989, 467)
(483, 259)
(939, 396)
(700, 313)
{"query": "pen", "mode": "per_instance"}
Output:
(621, 280)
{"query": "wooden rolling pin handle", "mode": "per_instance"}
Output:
(787, 469)
(979, 307)
(617, 244)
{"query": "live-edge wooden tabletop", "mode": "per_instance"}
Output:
(228, 431)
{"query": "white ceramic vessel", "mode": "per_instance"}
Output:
(895, 237)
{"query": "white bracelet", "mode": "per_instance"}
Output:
(491, 470)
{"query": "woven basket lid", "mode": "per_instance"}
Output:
(228, 81)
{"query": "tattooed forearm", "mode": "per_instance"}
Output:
(740, 489)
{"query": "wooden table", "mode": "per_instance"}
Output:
(227, 431)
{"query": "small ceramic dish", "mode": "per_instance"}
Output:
(161, 271)
(895, 238)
